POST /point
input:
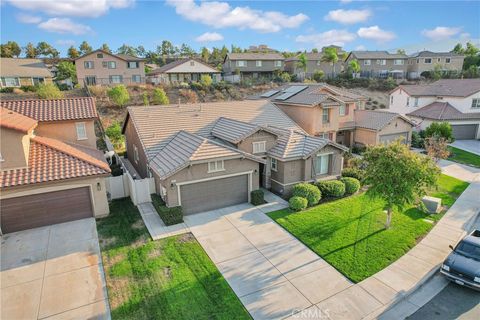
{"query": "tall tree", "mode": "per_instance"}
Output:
(167, 48)
(223, 53)
(46, 50)
(126, 49)
(397, 175)
(85, 48)
(187, 51)
(401, 51)
(205, 54)
(314, 50)
(471, 50)
(330, 55)
(302, 63)
(30, 51)
(10, 49)
(73, 52)
(66, 70)
(354, 66)
(105, 48)
(458, 48)
(235, 49)
(140, 51)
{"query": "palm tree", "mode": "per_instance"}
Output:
(302, 63)
(330, 55)
(354, 66)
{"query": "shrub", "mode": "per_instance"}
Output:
(49, 91)
(145, 99)
(6, 90)
(206, 80)
(62, 87)
(28, 88)
(307, 191)
(440, 129)
(331, 188)
(298, 203)
(98, 91)
(356, 173)
(352, 185)
(318, 75)
(169, 216)
(159, 97)
(119, 95)
(114, 133)
(257, 197)
(189, 95)
(116, 169)
(417, 140)
(285, 76)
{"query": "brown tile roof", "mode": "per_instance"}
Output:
(54, 109)
(376, 119)
(19, 67)
(176, 63)
(444, 88)
(442, 111)
(377, 55)
(16, 121)
(234, 131)
(52, 160)
(122, 56)
(255, 56)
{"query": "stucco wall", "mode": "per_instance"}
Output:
(99, 197)
(456, 63)
(131, 140)
(14, 147)
(67, 131)
(365, 136)
(247, 144)
(396, 126)
(267, 66)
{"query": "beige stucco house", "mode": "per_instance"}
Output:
(17, 72)
(380, 64)
(104, 68)
(44, 180)
(427, 61)
(183, 70)
(208, 156)
(315, 63)
(252, 65)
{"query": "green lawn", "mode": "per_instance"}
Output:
(349, 233)
(172, 278)
(464, 157)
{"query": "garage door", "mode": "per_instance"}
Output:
(214, 194)
(465, 131)
(43, 209)
(387, 138)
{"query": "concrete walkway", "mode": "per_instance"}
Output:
(472, 146)
(155, 225)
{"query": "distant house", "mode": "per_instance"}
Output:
(16, 72)
(456, 101)
(380, 64)
(427, 60)
(183, 70)
(103, 68)
(252, 65)
(315, 63)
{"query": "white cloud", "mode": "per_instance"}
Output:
(76, 8)
(64, 25)
(348, 16)
(441, 33)
(26, 18)
(345, 1)
(335, 37)
(375, 33)
(66, 42)
(209, 37)
(360, 48)
(222, 15)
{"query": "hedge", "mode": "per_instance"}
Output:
(298, 203)
(307, 191)
(331, 188)
(356, 173)
(169, 216)
(352, 185)
(256, 197)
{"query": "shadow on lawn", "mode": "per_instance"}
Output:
(354, 243)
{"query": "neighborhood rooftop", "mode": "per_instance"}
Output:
(375, 119)
(445, 87)
(171, 65)
(234, 131)
(14, 67)
(256, 56)
(442, 111)
(16, 121)
(378, 55)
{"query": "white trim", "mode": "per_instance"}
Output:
(216, 166)
(81, 124)
(259, 143)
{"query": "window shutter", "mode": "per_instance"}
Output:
(346, 109)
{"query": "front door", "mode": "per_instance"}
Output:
(261, 176)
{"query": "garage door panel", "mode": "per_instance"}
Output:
(214, 194)
(465, 131)
(43, 209)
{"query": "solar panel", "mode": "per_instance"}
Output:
(268, 94)
(290, 91)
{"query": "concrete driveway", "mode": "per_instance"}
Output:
(472, 146)
(53, 272)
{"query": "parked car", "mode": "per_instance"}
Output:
(463, 265)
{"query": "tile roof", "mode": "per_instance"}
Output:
(185, 148)
(442, 111)
(378, 55)
(16, 121)
(444, 88)
(156, 125)
(255, 56)
(122, 56)
(234, 131)
(53, 160)
(435, 54)
(54, 109)
(176, 63)
(19, 67)
(376, 119)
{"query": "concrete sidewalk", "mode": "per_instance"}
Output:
(472, 146)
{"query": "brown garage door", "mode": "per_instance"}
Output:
(465, 131)
(43, 209)
(214, 194)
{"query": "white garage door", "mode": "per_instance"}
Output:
(214, 194)
(388, 138)
(465, 131)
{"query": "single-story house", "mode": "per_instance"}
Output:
(183, 70)
(17, 72)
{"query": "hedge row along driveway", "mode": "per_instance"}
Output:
(349, 233)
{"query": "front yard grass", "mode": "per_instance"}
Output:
(350, 235)
(464, 157)
(172, 278)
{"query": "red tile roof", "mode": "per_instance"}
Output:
(54, 109)
(16, 121)
(53, 160)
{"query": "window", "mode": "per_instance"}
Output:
(81, 131)
(428, 60)
(88, 64)
(408, 101)
(382, 62)
(438, 60)
(37, 80)
(476, 103)
(91, 80)
(135, 154)
(398, 62)
(323, 135)
(367, 62)
(447, 60)
(321, 163)
(325, 116)
(278, 64)
(215, 166)
(241, 63)
(192, 63)
(112, 65)
(10, 82)
(342, 110)
(391, 99)
(116, 79)
(415, 102)
(136, 78)
(133, 65)
(258, 63)
(259, 147)
(105, 64)
(273, 164)
(100, 55)
(418, 60)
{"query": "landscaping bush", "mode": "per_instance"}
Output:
(298, 203)
(257, 197)
(189, 95)
(28, 88)
(49, 91)
(417, 140)
(318, 75)
(307, 191)
(159, 97)
(6, 90)
(116, 169)
(352, 185)
(169, 216)
(119, 95)
(356, 173)
(331, 188)
(206, 80)
(145, 99)
(440, 129)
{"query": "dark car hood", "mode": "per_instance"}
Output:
(464, 265)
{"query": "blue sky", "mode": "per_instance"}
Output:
(283, 25)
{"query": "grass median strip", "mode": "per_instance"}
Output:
(172, 278)
(464, 157)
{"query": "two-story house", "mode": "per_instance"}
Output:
(211, 156)
(17, 72)
(252, 65)
(380, 64)
(427, 61)
(47, 177)
(183, 70)
(315, 63)
(104, 68)
(456, 101)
